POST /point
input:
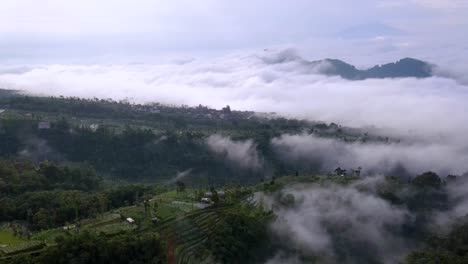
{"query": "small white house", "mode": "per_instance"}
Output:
(43, 125)
(206, 200)
(94, 127)
(69, 227)
(130, 220)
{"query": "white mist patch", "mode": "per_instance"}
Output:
(283, 84)
(431, 110)
(458, 200)
(328, 154)
(241, 153)
(181, 175)
(322, 218)
(280, 259)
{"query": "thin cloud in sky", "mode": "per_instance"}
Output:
(35, 30)
(89, 48)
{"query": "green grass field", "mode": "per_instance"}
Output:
(186, 196)
(7, 238)
(49, 236)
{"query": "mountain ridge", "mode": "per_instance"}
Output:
(406, 67)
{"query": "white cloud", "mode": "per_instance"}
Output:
(325, 220)
(242, 153)
(148, 29)
(328, 154)
(428, 114)
(458, 205)
(429, 106)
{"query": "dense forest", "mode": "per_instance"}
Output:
(152, 146)
(99, 181)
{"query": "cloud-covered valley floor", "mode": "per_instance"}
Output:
(428, 115)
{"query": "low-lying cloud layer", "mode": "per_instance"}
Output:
(327, 221)
(428, 115)
(254, 83)
(353, 224)
(327, 154)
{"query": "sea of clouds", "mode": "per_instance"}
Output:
(428, 115)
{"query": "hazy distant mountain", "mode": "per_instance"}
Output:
(406, 67)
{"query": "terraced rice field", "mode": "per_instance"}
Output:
(102, 220)
(114, 228)
(189, 234)
(24, 247)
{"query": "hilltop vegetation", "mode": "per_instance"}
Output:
(151, 142)
(51, 215)
(99, 181)
(171, 226)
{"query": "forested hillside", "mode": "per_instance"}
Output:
(153, 142)
(99, 181)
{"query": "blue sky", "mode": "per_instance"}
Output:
(135, 30)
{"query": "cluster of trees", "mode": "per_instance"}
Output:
(20, 177)
(47, 209)
(48, 195)
(423, 193)
(139, 153)
(449, 249)
(10, 140)
(240, 238)
(132, 154)
(95, 248)
(155, 115)
(72, 105)
(136, 154)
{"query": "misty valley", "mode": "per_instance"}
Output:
(233, 132)
(105, 181)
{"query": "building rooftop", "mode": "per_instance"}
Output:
(44, 125)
